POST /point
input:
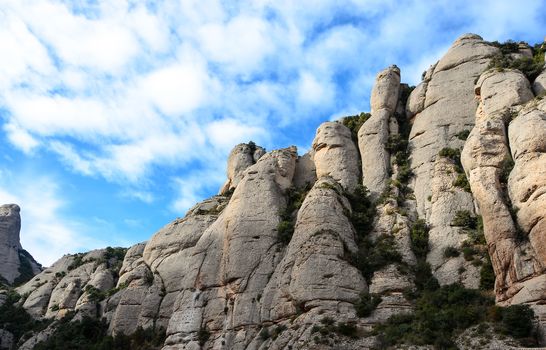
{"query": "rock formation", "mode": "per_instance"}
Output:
(294, 253)
(16, 264)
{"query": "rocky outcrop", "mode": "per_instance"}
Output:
(16, 264)
(374, 133)
(241, 157)
(291, 255)
(335, 155)
(442, 106)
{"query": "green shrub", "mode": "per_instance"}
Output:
(465, 219)
(366, 304)
(451, 252)
(16, 320)
(395, 143)
(295, 198)
(363, 211)
(264, 334)
(77, 262)
(203, 335)
(451, 153)
(92, 334)
(462, 182)
(354, 122)
(487, 276)
(346, 329)
(518, 320)
(373, 256)
(419, 239)
(506, 168)
(439, 315)
(463, 135)
(26, 273)
(507, 47)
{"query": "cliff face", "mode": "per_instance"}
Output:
(292, 241)
(16, 264)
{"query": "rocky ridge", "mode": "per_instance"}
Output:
(286, 257)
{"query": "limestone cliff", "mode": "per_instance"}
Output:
(436, 188)
(16, 264)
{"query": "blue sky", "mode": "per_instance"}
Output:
(117, 116)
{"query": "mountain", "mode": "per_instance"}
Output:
(421, 223)
(16, 264)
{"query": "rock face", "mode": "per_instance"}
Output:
(290, 246)
(374, 134)
(16, 264)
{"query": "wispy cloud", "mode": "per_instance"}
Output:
(46, 232)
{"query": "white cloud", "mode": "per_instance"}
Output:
(45, 232)
(176, 89)
(20, 138)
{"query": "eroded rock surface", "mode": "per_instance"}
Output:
(16, 264)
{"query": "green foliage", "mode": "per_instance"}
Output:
(517, 320)
(25, 268)
(295, 198)
(372, 256)
(203, 335)
(465, 219)
(463, 135)
(396, 143)
(264, 334)
(419, 239)
(285, 230)
(439, 316)
(252, 146)
(277, 331)
(77, 262)
(16, 320)
(451, 153)
(462, 182)
(354, 122)
(487, 276)
(363, 212)
(451, 252)
(506, 168)
(366, 304)
(91, 334)
(424, 279)
(529, 66)
(507, 47)
(94, 294)
(346, 329)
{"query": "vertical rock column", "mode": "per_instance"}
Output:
(441, 107)
(374, 133)
(335, 155)
(483, 157)
(10, 224)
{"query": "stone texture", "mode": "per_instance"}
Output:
(516, 260)
(446, 201)
(374, 133)
(335, 154)
(241, 157)
(539, 85)
(448, 109)
(12, 254)
(385, 91)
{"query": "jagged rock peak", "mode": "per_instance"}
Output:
(16, 264)
(241, 157)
